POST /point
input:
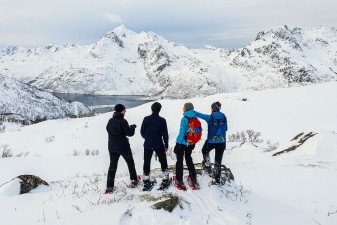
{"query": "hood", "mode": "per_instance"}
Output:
(189, 114)
(118, 115)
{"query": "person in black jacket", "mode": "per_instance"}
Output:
(154, 131)
(118, 130)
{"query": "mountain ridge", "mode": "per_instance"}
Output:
(123, 62)
(23, 103)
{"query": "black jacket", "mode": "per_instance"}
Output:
(154, 131)
(118, 128)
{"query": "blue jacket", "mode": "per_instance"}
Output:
(184, 127)
(207, 118)
(154, 131)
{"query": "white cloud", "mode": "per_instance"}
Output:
(112, 18)
(190, 22)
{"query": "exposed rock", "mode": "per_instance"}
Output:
(300, 138)
(169, 204)
(30, 182)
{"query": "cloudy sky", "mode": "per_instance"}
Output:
(222, 23)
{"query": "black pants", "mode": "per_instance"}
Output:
(147, 160)
(114, 157)
(219, 150)
(180, 151)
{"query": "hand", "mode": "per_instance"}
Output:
(133, 126)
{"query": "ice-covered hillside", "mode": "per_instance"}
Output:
(23, 103)
(124, 62)
(297, 187)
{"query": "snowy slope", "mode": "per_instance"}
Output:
(293, 188)
(22, 102)
(124, 62)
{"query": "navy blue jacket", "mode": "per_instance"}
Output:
(118, 128)
(154, 131)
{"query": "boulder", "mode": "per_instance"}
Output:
(30, 182)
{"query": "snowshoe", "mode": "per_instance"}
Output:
(134, 183)
(179, 184)
(227, 172)
(218, 182)
(165, 184)
(193, 183)
(109, 190)
(148, 184)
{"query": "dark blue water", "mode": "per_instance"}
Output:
(104, 103)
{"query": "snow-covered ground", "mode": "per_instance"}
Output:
(294, 188)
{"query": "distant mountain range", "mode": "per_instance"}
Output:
(123, 62)
(25, 104)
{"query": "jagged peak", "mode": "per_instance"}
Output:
(122, 30)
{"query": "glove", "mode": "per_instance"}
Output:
(133, 126)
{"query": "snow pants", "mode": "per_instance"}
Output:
(114, 157)
(147, 160)
(219, 150)
(181, 151)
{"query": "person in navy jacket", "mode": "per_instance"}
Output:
(216, 139)
(154, 131)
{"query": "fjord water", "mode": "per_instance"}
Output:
(104, 103)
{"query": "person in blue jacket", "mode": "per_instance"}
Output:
(154, 131)
(216, 139)
(183, 148)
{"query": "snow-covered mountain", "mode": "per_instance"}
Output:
(124, 62)
(24, 103)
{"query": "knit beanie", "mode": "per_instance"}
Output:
(188, 106)
(156, 107)
(216, 106)
(119, 107)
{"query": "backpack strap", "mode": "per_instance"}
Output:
(188, 120)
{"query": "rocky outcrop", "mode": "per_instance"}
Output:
(30, 182)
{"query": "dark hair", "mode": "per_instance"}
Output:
(119, 108)
(156, 107)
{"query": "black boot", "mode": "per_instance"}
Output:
(206, 164)
(216, 175)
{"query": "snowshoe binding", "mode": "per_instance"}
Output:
(148, 184)
(109, 190)
(179, 184)
(165, 184)
(134, 183)
(193, 183)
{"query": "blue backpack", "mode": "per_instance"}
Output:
(217, 127)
